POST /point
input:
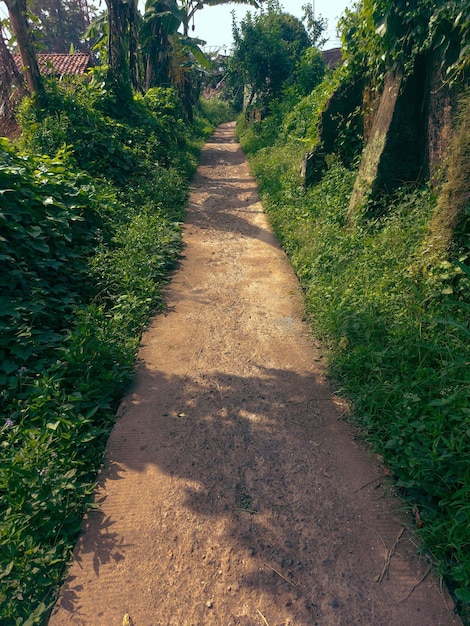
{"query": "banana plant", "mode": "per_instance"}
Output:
(163, 21)
(122, 72)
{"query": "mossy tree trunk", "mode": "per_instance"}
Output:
(454, 196)
(119, 22)
(10, 79)
(19, 22)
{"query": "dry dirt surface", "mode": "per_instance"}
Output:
(233, 491)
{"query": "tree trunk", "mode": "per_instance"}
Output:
(134, 68)
(157, 73)
(10, 79)
(118, 52)
(19, 24)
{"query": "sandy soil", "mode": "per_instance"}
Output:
(233, 491)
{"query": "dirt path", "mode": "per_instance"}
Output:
(233, 493)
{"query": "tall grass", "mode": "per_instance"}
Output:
(395, 323)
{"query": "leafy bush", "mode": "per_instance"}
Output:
(215, 111)
(309, 72)
(50, 218)
(95, 141)
(118, 149)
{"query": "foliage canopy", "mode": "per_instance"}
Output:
(380, 34)
(268, 47)
(60, 26)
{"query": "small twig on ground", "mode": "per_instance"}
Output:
(417, 584)
(262, 617)
(388, 556)
(291, 420)
(308, 400)
(240, 508)
(369, 482)
(441, 591)
(218, 389)
(379, 536)
(283, 577)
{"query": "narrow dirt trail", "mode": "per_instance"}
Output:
(233, 493)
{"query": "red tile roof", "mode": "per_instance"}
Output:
(332, 58)
(59, 64)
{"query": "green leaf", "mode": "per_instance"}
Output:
(92, 412)
(35, 231)
(8, 307)
(463, 595)
(7, 570)
(8, 367)
(191, 45)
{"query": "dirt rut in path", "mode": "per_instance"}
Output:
(233, 493)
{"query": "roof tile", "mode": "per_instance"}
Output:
(332, 58)
(59, 64)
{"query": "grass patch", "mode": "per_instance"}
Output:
(395, 323)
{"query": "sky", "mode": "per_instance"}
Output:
(214, 24)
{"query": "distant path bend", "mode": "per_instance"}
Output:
(233, 493)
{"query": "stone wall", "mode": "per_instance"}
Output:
(408, 134)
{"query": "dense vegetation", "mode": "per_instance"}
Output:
(379, 35)
(90, 227)
(391, 307)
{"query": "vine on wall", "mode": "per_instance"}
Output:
(380, 35)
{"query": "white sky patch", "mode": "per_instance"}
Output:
(214, 24)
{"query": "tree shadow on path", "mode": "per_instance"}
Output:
(253, 496)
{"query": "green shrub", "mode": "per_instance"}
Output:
(96, 142)
(90, 226)
(396, 329)
(50, 219)
(309, 72)
(214, 112)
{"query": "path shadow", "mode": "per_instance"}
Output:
(105, 544)
(251, 454)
